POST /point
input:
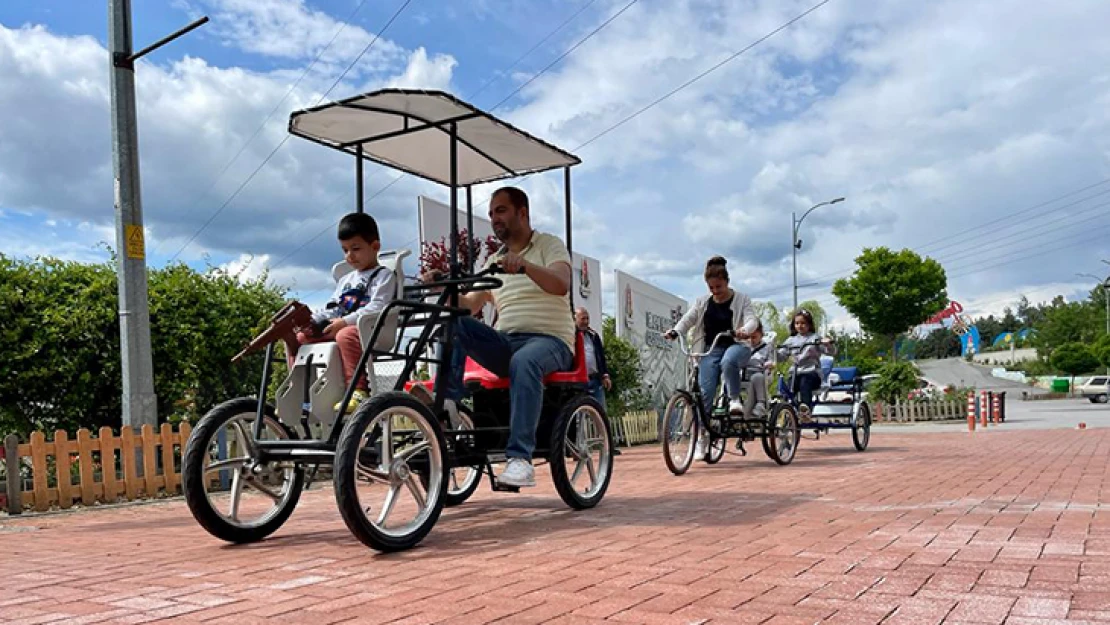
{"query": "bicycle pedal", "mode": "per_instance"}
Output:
(504, 488)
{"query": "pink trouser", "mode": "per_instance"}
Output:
(350, 350)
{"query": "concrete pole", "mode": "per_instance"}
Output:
(140, 405)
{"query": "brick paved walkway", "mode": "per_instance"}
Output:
(987, 528)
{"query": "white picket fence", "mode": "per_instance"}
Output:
(635, 428)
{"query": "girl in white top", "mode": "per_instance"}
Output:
(804, 346)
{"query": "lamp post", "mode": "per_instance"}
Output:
(1106, 292)
(796, 244)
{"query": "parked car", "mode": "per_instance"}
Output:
(1096, 389)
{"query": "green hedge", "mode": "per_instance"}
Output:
(59, 343)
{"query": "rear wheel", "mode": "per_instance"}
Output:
(680, 432)
(716, 449)
(462, 481)
(861, 426)
(581, 453)
(781, 439)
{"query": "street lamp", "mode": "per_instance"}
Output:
(1105, 282)
(796, 244)
(1106, 292)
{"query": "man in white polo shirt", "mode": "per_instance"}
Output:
(534, 332)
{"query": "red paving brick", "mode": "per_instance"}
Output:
(998, 527)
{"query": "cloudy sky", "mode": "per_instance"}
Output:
(974, 131)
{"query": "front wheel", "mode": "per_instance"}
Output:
(680, 432)
(233, 495)
(782, 434)
(581, 453)
(391, 472)
(861, 426)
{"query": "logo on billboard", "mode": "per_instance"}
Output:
(584, 280)
(628, 315)
(676, 315)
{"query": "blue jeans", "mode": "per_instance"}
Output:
(595, 390)
(807, 384)
(524, 358)
(731, 360)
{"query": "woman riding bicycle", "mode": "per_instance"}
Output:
(723, 310)
(806, 348)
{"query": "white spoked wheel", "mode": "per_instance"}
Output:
(462, 481)
(581, 453)
(233, 495)
(680, 432)
(390, 472)
(781, 438)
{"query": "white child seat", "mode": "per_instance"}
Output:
(325, 377)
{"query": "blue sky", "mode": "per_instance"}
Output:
(932, 119)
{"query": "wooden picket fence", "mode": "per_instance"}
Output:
(913, 411)
(633, 428)
(105, 467)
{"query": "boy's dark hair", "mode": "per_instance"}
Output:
(360, 225)
(517, 197)
(805, 314)
(715, 268)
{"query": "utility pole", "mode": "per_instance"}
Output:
(140, 406)
(796, 244)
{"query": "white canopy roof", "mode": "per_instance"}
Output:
(410, 130)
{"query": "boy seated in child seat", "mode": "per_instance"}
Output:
(364, 291)
(808, 359)
(755, 402)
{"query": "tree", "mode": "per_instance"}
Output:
(625, 372)
(1074, 359)
(892, 291)
(896, 380)
(940, 343)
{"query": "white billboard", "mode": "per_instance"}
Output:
(644, 313)
(435, 225)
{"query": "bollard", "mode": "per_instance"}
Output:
(996, 413)
(1081, 426)
(971, 412)
(983, 409)
(1002, 407)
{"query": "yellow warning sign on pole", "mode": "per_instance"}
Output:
(135, 246)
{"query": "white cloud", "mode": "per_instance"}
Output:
(931, 118)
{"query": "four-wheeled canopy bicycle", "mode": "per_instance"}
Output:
(398, 459)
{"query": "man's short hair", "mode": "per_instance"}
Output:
(517, 197)
(360, 225)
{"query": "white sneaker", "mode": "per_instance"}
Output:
(736, 406)
(759, 411)
(518, 472)
(702, 446)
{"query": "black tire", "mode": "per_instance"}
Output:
(195, 485)
(433, 478)
(782, 435)
(680, 464)
(715, 450)
(571, 419)
(861, 427)
(1101, 398)
(466, 488)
